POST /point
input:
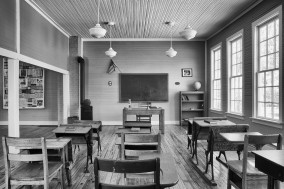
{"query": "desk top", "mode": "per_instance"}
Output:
(129, 131)
(275, 156)
(168, 175)
(202, 123)
(237, 137)
(77, 129)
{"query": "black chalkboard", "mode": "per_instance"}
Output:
(144, 87)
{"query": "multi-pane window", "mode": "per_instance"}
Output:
(236, 75)
(216, 78)
(267, 73)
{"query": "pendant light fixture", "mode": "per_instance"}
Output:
(171, 52)
(98, 31)
(188, 33)
(110, 52)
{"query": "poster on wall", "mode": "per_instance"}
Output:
(31, 86)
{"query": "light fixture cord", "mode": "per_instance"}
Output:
(171, 36)
(99, 11)
(110, 36)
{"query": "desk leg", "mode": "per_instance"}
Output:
(66, 165)
(123, 117)
(195, 144)
(88, 154)
(162, 121)
(270, 183)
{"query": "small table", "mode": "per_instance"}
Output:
(237, 138)
(168, 174)
(271, 162)
(64, 146)
(146, 111)
(79, 135)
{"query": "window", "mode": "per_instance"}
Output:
(267, 57)
(235, 73)
(216, 78)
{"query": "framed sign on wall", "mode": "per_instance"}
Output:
(31, 86)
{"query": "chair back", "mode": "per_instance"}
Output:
(24, 143)
(134, 144)
(217, 143)
(258, 141)
(127, 166)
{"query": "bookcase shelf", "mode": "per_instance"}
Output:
(191, 105)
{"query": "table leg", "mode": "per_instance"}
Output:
(195, 144)
(88, 153)
(270, 183)
(123, 117)
(66, 165)
(162, 121)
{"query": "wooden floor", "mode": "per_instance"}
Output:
(174, 141)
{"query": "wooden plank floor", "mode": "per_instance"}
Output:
(174, 141)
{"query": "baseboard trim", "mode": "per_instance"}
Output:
(33, 123)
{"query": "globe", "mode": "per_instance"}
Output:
(197, 85)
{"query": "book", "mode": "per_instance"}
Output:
(70, 128)
(211, 121)
(135, 129)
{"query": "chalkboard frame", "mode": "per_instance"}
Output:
(160, 97)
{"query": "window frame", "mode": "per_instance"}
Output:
(212, 50)
(229, 41)
(277, 12)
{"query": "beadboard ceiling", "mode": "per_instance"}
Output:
(143, 18)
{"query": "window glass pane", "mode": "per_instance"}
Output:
(277, 60)
(276, 94)
(239, 57)
(233, 83)
(260, 79)
(234, 59)
(276, 78)
(260, 109)
(238, 45)
(262, 64)
(277, 44)
(268, 110)
(276, 111)
(232, 106)
(234, 70)
(263, 48)
(268, 79)
(277, 26)
(262, 33)
(268, 94)
(271, 45)
(240, 82)
(239, 69)
(271, 61)
(261, 94)
(271, 28)
(234, 47)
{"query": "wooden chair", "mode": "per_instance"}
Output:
(132, 145)
(30, 169)
(192, 138)
(242, 174)
(124, 167)
(216, 142)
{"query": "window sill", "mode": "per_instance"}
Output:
(268, 123)
(216, 111)
(237, 116)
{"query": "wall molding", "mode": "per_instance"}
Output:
(141, 39)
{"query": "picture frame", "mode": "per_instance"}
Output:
(186, 72)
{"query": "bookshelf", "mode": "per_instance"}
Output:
(191, 105)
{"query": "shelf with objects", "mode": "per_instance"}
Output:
(31, 86)
(191, 105)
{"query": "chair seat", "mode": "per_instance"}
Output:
(33, 171)
(237, 166)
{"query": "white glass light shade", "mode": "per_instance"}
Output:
(197, 85)
(97, 31)
(188, 33)
(171, 52)
(111, 53)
